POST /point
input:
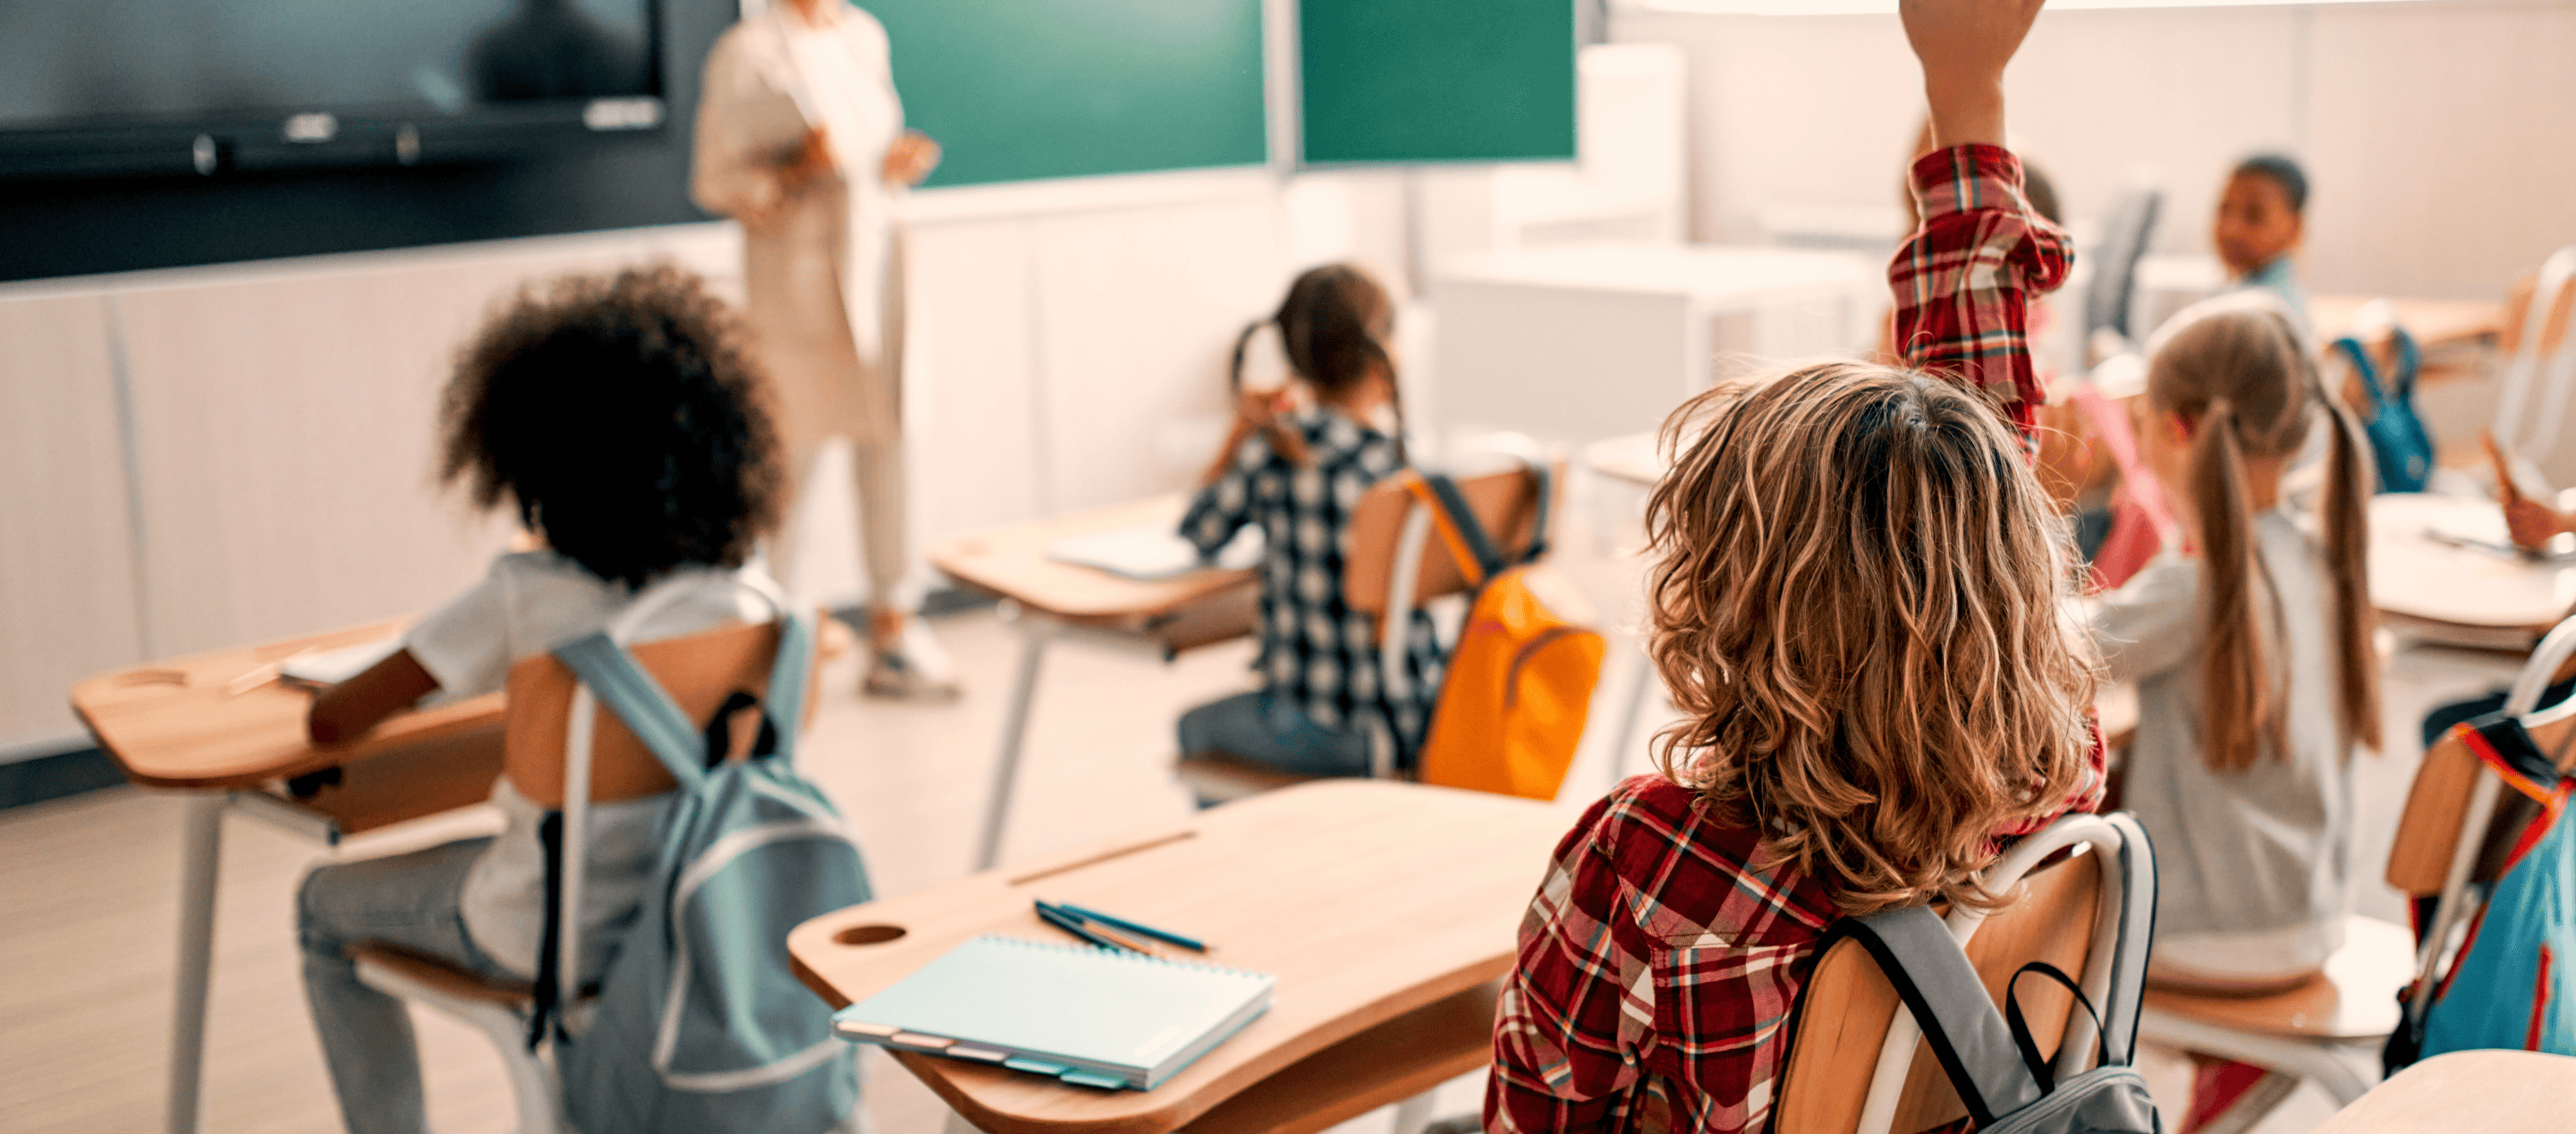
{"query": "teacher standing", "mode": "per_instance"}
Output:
(800, 137)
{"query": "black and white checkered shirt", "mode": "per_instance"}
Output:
(1314, 649)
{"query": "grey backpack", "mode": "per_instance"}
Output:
(701, 1023)
(2008, 1084)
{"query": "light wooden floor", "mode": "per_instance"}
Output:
(88, 885)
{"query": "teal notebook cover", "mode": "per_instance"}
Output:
(1096, 1012)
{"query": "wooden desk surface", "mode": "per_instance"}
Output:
(1629, 457)
(183, 724)
(2467, 1092)
(1011, 562)
(209, 722)
(1368, 899)
(2436, 324)
(2418, 577)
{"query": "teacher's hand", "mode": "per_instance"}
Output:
(911, 158)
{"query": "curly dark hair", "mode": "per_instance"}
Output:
(626, 419)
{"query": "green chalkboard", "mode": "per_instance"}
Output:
(1436, 80)
(1022, 89)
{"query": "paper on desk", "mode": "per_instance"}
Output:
(331, 667)
(1152, 551)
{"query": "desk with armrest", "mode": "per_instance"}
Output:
(220, 727)
(1384, 909)
(1041, 596)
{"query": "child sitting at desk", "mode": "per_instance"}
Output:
(2261, 215)
(622, 419)
(1298, 473)
(1855, 605)
(2250, 647)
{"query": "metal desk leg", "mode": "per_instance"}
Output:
(200, 848)
(1035, 629)
(1638, 688)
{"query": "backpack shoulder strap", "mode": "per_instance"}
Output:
(1932, 976)
(1477, 556)
(1461, 525)
(2136, 872)
(2363, 368)
(787, 680)
(613, 677)
(2410, 358)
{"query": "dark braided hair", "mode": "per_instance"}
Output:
(1334, 326)
(623, 416)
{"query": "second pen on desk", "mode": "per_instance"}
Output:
(1098, 935)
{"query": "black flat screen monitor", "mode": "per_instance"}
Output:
(99, 87)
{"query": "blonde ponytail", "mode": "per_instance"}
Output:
(2241, 713)
(2345, 513)
(2240, 368)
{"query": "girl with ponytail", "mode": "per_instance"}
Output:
(1297, 463)
(2251, 649)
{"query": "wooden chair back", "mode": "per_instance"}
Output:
(699, 671)
(1848, 1006)
(2437, 804)
(1505, 502)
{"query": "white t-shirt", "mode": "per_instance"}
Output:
(531, 602)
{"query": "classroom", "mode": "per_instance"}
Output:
(1284, 566)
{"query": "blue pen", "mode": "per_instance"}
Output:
(1073, 925)
(1131, 927)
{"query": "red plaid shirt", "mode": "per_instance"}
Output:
(1963, 284)
(1657, 967)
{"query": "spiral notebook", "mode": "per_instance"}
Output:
(1092, 1017)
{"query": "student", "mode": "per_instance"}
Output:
(2251, 651)
(1298, 472)
(2261, 215)
(623, 421)
(1854, 605)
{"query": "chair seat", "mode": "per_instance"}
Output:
(1223, 777)
(2355, 999)
(433, 975)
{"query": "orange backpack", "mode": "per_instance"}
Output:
(1519, 682)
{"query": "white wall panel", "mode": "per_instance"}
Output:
(1137, 313)
(66, 553)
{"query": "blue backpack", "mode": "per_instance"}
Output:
(2509, 986)
(2399, 443)
(700, 1023)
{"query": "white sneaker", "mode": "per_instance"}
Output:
(916, 670)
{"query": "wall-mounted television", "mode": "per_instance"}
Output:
(122, 88)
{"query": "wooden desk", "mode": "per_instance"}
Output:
(1041, 596)
(2420, 580)
(219, 727)
(2437, 324)
(1383, 908)
(212, 725)
(2467, 1092)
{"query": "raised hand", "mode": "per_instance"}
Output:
(1963, 45)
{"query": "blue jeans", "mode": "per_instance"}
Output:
(410, 900)
(1269, 730)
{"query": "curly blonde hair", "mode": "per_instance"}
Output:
(1855, 604)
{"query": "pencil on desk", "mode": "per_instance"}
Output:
(1072, 925)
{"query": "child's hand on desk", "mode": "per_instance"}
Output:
(2530, 523)
(1964, 45)
(346, 711)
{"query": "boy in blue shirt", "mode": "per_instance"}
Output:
(2261, 216)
